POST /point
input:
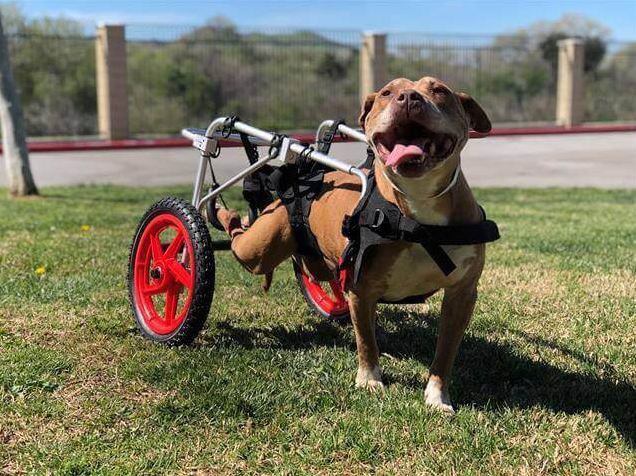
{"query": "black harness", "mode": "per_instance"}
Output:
(297, 185)
(375, 220)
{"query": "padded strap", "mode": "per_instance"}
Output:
(297, 186)
(250, 149)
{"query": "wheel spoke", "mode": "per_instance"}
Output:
(152, 289)
(172, 299)
(155, 246)
(180, 273)
(174, 247)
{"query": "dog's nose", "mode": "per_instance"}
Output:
(409, 96)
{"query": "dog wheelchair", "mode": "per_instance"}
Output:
(171, 272)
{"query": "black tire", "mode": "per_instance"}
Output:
(340, 317)
(202, 278)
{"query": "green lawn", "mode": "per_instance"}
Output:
(545, 382)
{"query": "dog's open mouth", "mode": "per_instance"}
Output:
(411, 149)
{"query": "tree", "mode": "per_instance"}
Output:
(594, 48)
(14, 146)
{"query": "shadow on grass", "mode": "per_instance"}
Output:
(487, 375)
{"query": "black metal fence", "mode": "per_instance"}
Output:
(610, 90)
(55, 76)
(507, 76)
(277, 79)
(291, 79)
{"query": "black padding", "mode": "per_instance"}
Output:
(297, 186)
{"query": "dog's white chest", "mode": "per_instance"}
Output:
(414, 272)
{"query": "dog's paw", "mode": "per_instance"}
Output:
(437, 398)
(370, 379)
(229, 219)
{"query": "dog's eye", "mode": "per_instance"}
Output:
(440, 90)
(385, 93)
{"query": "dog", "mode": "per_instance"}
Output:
(417, 131)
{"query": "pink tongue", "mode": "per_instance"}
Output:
(401, 153)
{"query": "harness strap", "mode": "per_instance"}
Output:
(368, 164)
(254, 190)
(324, 144)
(377, 221)
(297, 185)
(250, 149)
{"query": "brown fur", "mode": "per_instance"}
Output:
(393, 267)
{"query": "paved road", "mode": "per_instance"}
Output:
(606, 160)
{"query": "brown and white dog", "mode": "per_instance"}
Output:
(417, 130)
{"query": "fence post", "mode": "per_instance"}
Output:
(373, 64)
(570, 91)
(112, 93)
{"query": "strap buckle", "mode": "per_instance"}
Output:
(381, 225)
(378, 220)
(324, 144)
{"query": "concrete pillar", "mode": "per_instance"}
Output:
(112, 93)
(570, 92)
(373, 63)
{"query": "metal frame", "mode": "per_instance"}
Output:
(207, 141)
(355, 134)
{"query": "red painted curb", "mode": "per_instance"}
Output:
(87, 145)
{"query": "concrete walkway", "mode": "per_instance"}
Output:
(606, 160)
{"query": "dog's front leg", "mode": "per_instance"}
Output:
(363, 313)
(457, 309)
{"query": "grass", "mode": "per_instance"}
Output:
(544, 383)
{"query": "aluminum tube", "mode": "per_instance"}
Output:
(252, 168)
(363, 180)
(214, 125)
(219, 136)
(323, 159)
(237, 138)
(187, 134)
(200, 178)
(268, 137)
(342, 128)
(353, 133)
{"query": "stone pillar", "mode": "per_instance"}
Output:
(570, 92)
(112, 93)
(373, 63)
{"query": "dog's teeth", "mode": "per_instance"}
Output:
(432, 148)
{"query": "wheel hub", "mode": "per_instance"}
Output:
(156, 273)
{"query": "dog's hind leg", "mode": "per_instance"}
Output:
(265, 244)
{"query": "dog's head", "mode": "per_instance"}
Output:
(415, 127)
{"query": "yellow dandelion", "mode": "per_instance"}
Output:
(40, 270)
(85, 227)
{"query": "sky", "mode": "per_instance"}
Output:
(432, 16)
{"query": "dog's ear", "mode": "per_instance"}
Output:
(366, 107)
(478, 118)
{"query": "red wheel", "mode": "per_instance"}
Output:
(171, 272)
(325, 298)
